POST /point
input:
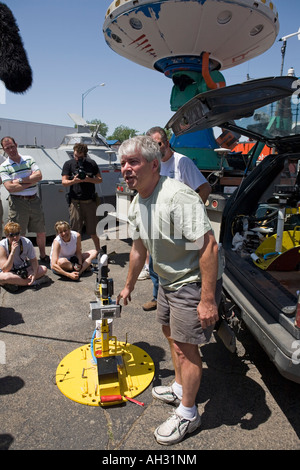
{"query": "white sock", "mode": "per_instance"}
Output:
(186, 412)
(177, 389)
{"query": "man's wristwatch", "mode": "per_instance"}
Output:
(20, 180)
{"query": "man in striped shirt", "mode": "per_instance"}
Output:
(20, 175)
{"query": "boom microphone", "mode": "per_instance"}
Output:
(15, 70)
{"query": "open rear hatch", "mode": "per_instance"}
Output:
(260, 230)
(223, 106)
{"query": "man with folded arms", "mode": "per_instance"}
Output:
(20, 175)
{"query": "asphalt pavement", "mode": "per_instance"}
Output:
(245, 404)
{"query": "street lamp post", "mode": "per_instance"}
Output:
(83, 96)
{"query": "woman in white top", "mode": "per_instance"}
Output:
(66, 256)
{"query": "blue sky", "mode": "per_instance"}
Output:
(68, 55)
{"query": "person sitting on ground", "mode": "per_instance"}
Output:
(66, 255)
(18, 262)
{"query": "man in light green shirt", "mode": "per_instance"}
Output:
(167, 222)
(169, 219)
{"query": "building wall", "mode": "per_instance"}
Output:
(33, 133)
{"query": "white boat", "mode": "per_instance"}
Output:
(51, 161)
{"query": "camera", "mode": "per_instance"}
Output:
(22, 272)
(81, 173)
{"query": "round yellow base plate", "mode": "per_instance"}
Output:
(77, 375)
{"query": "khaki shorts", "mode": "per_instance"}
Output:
(178, 309)
(28, 213)
(83, 212)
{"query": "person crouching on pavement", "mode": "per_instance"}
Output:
(18, 262)
(66, 255)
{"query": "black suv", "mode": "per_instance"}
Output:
(260, 230)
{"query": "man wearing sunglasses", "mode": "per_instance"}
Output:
(18, 263)
(20, 175)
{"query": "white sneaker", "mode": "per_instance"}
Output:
(165, 394)
(144, 274)
(175, 428)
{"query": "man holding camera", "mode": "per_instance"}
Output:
(18, 262)
(81, 173)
